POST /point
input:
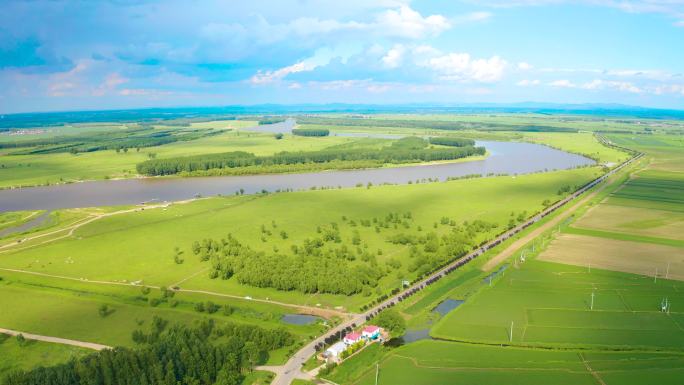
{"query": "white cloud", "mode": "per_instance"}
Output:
(668, 89)
(109, 84)
(563, 83)
(394, 56)
(599, 84)
(400, 22)
(527, 82)
(265, 77)
(670, 8)
(524, 66)
(461, 67)
(405, 22)
(472, 17)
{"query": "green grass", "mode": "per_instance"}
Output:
(39, 169)
(70, 310)
(439, 362)
(625, 237)
(136, 246)
(549, 305)
(580, 143)
(33, 354)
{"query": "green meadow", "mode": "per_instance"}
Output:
(31, 354)
(551, 305)
(440, 362)
(135, 247)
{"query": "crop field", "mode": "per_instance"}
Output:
(440, 362)
(634, 220)
(642, 258)
(135, 246)
(550, 304)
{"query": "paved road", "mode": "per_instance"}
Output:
(292, 369)
(57, 340)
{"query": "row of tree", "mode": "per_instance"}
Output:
(138, 137)
(237, 159)
(426, 124)
(453, 142)
(310, 131)
(178, 355)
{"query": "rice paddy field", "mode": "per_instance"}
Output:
(441, 362)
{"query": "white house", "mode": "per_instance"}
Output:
(336, 350)
(371, 332)
(352, 338)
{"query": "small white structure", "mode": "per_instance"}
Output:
(371, 332)
(336, 350)
(352, 338)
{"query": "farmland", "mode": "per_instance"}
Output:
(332, 252)
(431, 362)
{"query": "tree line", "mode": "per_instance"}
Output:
(237, 159)
(427, 124)
(205, 355)
(310, 132)
(453, 142)
(141, 137)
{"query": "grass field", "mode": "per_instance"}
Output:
(439, 362)
(135, 246)
(69, 309)
(580, 143)
(21, 170)
(32, 354)
(550, 305)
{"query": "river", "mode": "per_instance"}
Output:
(505, 158)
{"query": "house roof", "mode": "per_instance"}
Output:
(353, 336)
(337, 348)
(371, 329)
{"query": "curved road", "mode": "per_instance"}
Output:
(292, 369)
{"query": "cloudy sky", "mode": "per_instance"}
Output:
(99, 54)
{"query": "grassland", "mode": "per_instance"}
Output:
(32, 354)
(550, 304)
(439, 362)
(583, 143)
(143, 251)
(38, 169)
(41, 169)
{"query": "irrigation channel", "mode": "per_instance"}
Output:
(292, 369)
(510, 158)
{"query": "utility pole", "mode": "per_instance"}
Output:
(667, 272)
(592, 301)
(510, 337)
(655, 276)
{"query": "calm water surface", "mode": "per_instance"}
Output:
(505, 158)
(299, 319)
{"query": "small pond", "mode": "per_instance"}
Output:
(299, 319)
(446, 306)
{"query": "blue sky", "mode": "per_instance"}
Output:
(71, 55)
